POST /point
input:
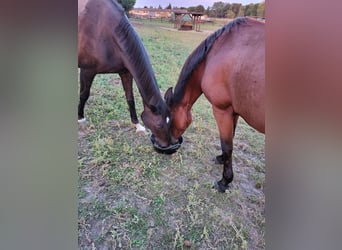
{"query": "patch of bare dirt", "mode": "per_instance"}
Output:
(112, 216)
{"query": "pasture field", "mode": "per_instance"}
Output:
(131, 197)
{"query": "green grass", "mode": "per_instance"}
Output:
(131, 197)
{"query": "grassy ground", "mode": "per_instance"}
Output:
(130, 197)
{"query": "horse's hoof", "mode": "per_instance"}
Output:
(82, 123)
(140, 128)
(219, 159)
(219, 187)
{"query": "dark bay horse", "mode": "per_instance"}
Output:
(107, 43)
(229, 68)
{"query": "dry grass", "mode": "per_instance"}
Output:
(130, 197)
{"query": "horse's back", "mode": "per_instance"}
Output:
(97, 7)
(235, 72)
(96, 23)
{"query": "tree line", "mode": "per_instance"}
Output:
(225, 10)
(231, 10)
(219, 9)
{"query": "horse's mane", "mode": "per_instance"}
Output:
(137, 57)
(198, 55)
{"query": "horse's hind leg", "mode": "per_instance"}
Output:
(225, 121)
(127, 83)
(219, 159)
(86, 79)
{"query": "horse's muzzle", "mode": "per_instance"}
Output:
(166, 150)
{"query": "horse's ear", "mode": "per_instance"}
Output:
(168, 96)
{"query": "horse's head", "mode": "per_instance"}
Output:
(181, 116)
(158, 119)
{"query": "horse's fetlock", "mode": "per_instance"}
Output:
(220, 187)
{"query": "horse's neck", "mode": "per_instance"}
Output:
(193, 88)
(148, 88)
(136, 60)
(192, 92)
(146, 81)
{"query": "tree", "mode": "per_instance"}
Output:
(191, 9)
(127, 5)
(241, 11)
(169, 7)
(235, 8)
(261, 10)
(220, 9)
(255, 9)
(249, 10)
(208, 11)
(199, 8)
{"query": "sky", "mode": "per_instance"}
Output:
(187, 3)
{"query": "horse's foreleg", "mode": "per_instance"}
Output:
(86, 79)
(219, 159)
(127, 83)
(225, 123)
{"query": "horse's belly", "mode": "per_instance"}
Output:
(86, 60)
(250, 105)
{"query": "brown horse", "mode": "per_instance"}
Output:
(229, 68)
(107, 43)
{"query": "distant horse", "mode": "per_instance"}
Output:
(107, 43)
(229, 68)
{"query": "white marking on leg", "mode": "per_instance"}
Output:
(82, 122)
(140, 128)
